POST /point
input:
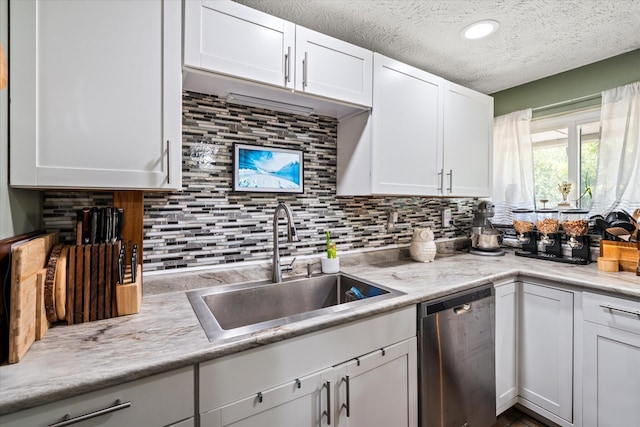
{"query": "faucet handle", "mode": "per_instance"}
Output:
(288, 267)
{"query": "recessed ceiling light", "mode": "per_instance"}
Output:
(480, 29)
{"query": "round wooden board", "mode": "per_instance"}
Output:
(49, 284)
(60, 287)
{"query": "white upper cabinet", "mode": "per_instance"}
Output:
(233, 39)
(95, 94)
(468, 137)
(406, 131)
(237, 41)
(424, 137)
(332, 68)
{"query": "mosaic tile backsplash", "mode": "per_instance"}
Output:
(208, 224)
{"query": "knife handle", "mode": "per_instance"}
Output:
(86, 225)
(120, 223)
(79, 227)
(94, 225)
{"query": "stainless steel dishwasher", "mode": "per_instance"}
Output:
(457, 363)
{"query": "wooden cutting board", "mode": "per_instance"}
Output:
(26, 260)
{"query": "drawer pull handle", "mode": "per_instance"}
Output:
(259, 397)
(327, 384)
(622, 310)
(347, 405)
(67, 420)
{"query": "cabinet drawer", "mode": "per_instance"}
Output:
(614, 312)
(277, 363)
(159, 400)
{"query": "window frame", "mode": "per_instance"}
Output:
(572, 121)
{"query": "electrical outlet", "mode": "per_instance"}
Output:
(446, 218)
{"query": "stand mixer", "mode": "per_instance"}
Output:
(485, 240)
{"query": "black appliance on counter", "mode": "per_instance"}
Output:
(580, 254)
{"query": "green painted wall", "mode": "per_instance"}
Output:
(579, 82)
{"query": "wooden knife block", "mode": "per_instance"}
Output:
(129, 294)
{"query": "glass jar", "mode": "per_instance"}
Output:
(523, 220)
(575, 223)
(547, 223)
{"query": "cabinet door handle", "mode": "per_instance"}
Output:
(347, 405)
(450, 175)
(622, 310)
(441, 181)
(287, 65)
(327, 384)
(67, 420)
(168, 161)
(305, 68)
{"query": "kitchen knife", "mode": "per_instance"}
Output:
(120, 223)
(121, 266)
(94, 225)
(134, 263)
(79, 227)
(107, 225)
(86, 225)
(114, 225)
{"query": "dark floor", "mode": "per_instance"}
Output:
(514, 418)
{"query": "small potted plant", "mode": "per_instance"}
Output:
(330, 264)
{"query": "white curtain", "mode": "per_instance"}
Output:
(512, 165)
(617, 184)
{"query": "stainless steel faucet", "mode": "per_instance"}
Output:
(292, 236)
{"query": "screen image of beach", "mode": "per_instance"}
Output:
(264, 169)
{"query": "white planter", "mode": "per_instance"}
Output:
(330, 265)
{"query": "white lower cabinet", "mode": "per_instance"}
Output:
(506, 346)
(161, 400)
(535, 364)
(378, 388)
(545, 349)
(611, 385)
(360, 374)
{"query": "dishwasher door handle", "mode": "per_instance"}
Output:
(462, 309)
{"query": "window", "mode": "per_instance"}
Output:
(565, 148)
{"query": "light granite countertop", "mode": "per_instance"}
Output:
(71, 360)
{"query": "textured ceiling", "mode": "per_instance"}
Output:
(536, 39)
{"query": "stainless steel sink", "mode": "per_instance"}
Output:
(234, 310)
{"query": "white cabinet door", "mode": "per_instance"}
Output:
(229, 38)
(406, 149)
(611, 393)
(159, 400)
(546, 348)
(95, 94)
(333, 68)
(468, 139)
(378, 389)
(301, 402)
(506, 346)
(611, 387)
